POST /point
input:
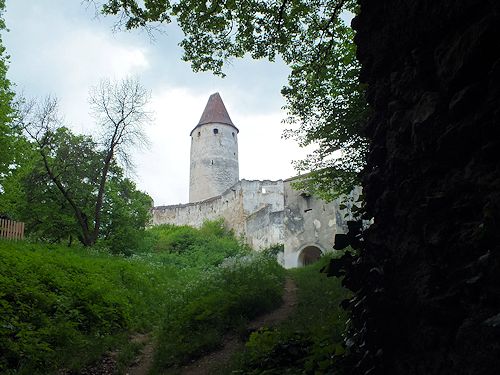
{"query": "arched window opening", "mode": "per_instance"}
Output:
(216, 131)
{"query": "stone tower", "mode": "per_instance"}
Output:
(214, 152)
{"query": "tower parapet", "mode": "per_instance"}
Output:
(214, 152)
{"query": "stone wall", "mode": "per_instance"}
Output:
(250, 208)
(428, 279)
(309, 221)
(266, 213)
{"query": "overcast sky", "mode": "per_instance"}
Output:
(59, 47)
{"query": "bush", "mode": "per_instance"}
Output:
(62, 307)
(239, 289)
(188, 247)
(310, 340)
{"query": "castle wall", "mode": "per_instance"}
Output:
(253, 209)
(309, 221)
(263, 203)
(228, 206)
(266, 213)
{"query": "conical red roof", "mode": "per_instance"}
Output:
(215, 112)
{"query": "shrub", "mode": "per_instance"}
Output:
(310, 340)
(61, 307)
(237, 290)
(188, 247)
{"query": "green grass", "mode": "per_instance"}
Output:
(309, 340)
(222, 300)
(62, 308)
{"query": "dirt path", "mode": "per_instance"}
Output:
(144, 362)
(231, 344)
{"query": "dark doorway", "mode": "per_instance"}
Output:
(309, 255)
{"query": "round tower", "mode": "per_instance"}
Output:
(214, 152)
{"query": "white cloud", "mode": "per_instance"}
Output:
(95, 56)
(58, 48)
(86, 55)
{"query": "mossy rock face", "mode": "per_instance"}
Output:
(425, 277)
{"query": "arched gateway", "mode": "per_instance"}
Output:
(308, 255)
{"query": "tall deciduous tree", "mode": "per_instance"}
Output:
(324, 96)
(120, 111)
(32, 196)
(78, 167)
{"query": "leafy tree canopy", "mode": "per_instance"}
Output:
(323, 97)
(32, 196)
(10, 140)
(119, 109)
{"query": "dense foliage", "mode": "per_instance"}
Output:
(79, 168)
(222, 299)
(311, 340)
(10, 142)
(324, 97)
(32, 196)
(203, 247)
(63, 307)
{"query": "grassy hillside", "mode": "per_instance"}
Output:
(63, 307)
(309, 341)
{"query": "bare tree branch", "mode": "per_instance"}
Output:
(120, 110)
(40, 121)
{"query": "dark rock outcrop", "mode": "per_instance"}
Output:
(429, 298)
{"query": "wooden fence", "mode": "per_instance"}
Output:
(13, 230)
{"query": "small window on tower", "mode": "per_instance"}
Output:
(232, 134)
(199, 133)
(216, 131)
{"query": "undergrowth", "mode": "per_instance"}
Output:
(221, 300)
(62, 308)
(309, 341)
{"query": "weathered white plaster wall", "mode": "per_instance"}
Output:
(308, 221)
(253, 209)
(228, 206)
(214, 160)
(266, 213)
(263, 203)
